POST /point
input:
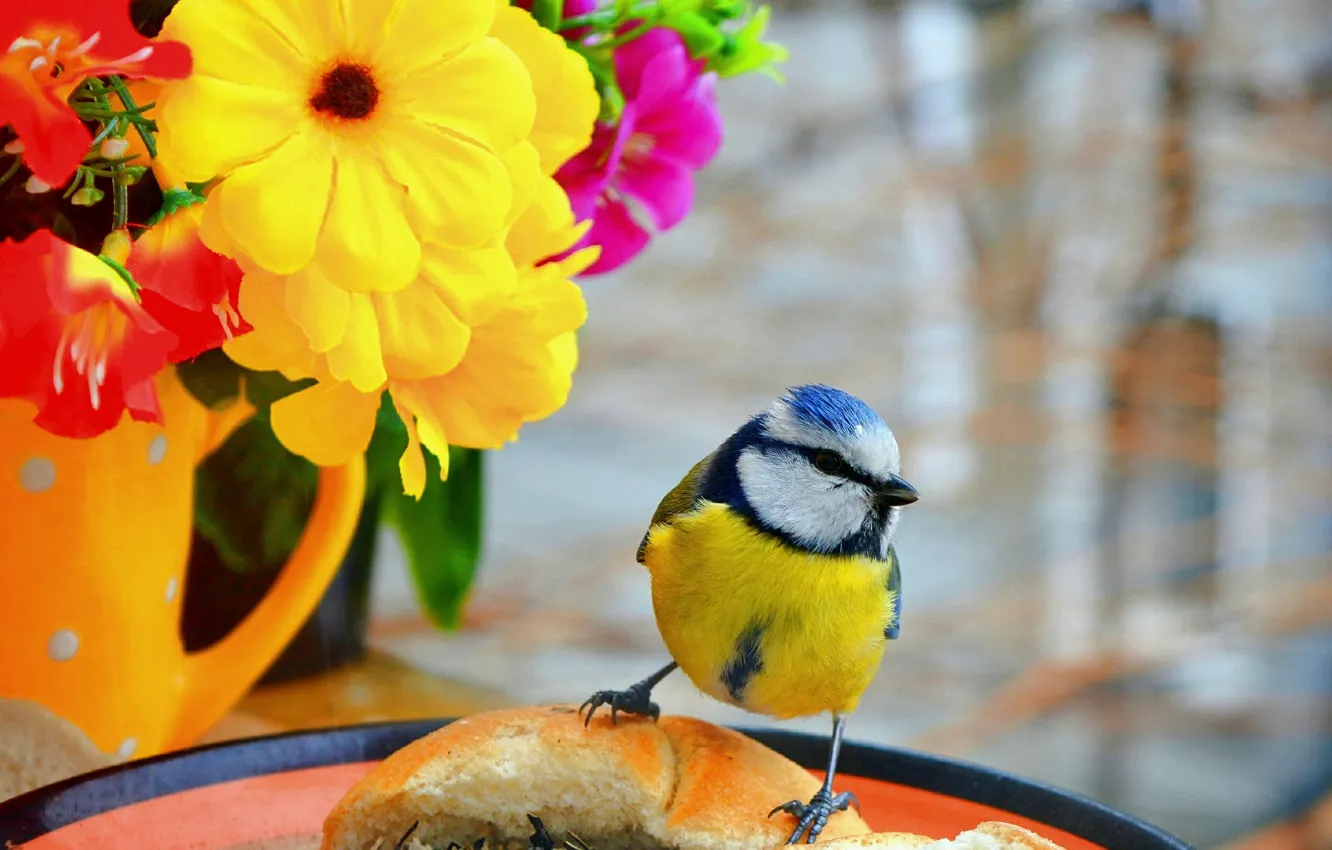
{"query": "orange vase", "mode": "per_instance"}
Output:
(94, 542)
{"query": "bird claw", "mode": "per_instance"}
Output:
(813, 816)
(540, 839)
(632, 700)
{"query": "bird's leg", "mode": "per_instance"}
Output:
(813, 816)
(632, 700)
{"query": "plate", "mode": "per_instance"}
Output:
(274, 792)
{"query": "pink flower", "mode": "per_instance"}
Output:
(669, 129)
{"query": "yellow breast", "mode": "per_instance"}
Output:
(760, 624)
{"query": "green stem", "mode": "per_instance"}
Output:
(629, 36)
(127, 100)
(119, 205)
(74, 185)
(12, 170)
(108, 130)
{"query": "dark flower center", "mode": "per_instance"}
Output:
(348, 91)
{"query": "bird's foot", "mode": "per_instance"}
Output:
(540, 839)
(631, 700)
(813, 816)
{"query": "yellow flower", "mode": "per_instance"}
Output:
(368, 330)
(347, 133)
(517, 366)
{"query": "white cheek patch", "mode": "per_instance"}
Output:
(790, 495)
(872, 448)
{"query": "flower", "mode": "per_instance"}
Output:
(515, 367)
(53, 45)
(74, 340)
(183, 284)
(669, 128)
(307, 326)
(567, 99)
(346, 134)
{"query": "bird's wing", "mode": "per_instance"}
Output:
(894, 595)
(681, 499)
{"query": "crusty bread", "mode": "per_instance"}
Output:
(990, 835)
(879, 841)
(676, 783)
(37, 747)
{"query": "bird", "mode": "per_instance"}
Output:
(775, 581)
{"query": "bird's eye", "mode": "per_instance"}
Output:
(828, 462)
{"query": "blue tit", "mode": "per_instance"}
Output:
(774, 579)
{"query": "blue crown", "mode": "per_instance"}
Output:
(830, 409)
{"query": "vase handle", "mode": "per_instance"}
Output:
(217, 677)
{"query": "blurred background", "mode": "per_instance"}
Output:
(1079, 255)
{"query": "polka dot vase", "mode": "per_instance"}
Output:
(94, 541)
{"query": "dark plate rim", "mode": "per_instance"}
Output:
(47, 809)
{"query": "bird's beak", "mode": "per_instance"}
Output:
(894, 493)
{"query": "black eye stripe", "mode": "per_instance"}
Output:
(847, 471)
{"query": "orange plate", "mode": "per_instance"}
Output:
(232, 795)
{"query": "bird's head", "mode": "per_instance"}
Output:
(820, 469)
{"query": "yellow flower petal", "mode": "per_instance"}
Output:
(564, 348)
(545, 228)
(410, 395)
(524, 167)
(358, 359)
(229, 41)
(276, 341)
(366, 244)
(510, 375)
(574, 264)
(411, 466)
(420, 335)
(457, 192)
(418, 32)
(312, 27)
(192, 144)
(566, 94)
(318, 307)
(272, 210)
(473, 283)
(483, 93)
(543, 309)
(329, 423)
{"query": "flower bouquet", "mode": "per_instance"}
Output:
(358, 223)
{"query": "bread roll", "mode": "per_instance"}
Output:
(991, 835)
(638, 785)
(37, 748)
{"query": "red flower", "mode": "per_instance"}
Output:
(74, 340)
(50, 47)
(185, 286)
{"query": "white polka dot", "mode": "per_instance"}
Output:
(172, 586)
(157, 449)
(62, 645)
(127, 748)
(37, 474)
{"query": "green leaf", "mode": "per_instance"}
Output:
(745, 50)
(214, 379)
(172, 200)
(441, 533)
(253, 498)
(701, 37)
(548, 13)
(725, 10)
(64, 228)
